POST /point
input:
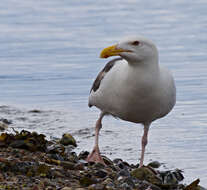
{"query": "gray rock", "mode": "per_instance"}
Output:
(154, 164)
(124, 172)
(101, 173)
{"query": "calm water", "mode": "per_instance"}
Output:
(50, 57)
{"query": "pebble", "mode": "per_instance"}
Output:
(67, 188)
(67, 139)
(147, 174)
(154, 164)
(101, 173)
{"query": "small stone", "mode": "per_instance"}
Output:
(72, 157)
(170, 179)
(101, 173)
(125, 186)
(56, 157)
(83, 155)
(67, 139)
(69, 148)
(67, 165)
(96, 187)
(129, 181)
(116, 160)
(43, 170)
(154, 164)
(107, 181)
(124, 172)
(56, 148)
(49, 188)
(110, 187)
(147, 174)
(79, 166)
(3, 126)
(86, 181)
(67, 188)
(98, 165)
(83, 162)
(121, 164)
(58, 174)
(107, 161)
(178, 174)
(1, 177)
(144, 185)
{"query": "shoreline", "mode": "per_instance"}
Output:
(29, 161)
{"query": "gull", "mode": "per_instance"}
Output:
(132, 87)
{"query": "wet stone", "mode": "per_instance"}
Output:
(96, 187)
(121, 164)
(68, 149)
(84, 162)
(147, 174)
(67, 165)
(171, 177)
(56, 148)
(98, 166)
(154, 164)
(144, 185)
(125, 186)
(43, 170)
(123, 172)
(116, 160)
(83, 155)
(72, 157)
(56, 157)
(79, 166)
(107, 161)
(86, 181)
(67, 139)
(67, 188)
(101, 173)
(129, 181)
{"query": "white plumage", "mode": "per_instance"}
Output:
(134, 88)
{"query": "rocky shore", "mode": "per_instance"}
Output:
(29, 161)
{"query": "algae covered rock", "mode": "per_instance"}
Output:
(24, 140)
(147, 174)
(67, 139)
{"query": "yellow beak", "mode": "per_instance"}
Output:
(111, 51)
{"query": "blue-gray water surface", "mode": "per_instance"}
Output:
(49, 57)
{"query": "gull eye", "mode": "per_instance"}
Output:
(135, 43)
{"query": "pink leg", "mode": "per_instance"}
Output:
(144, 143)
(95, 156)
